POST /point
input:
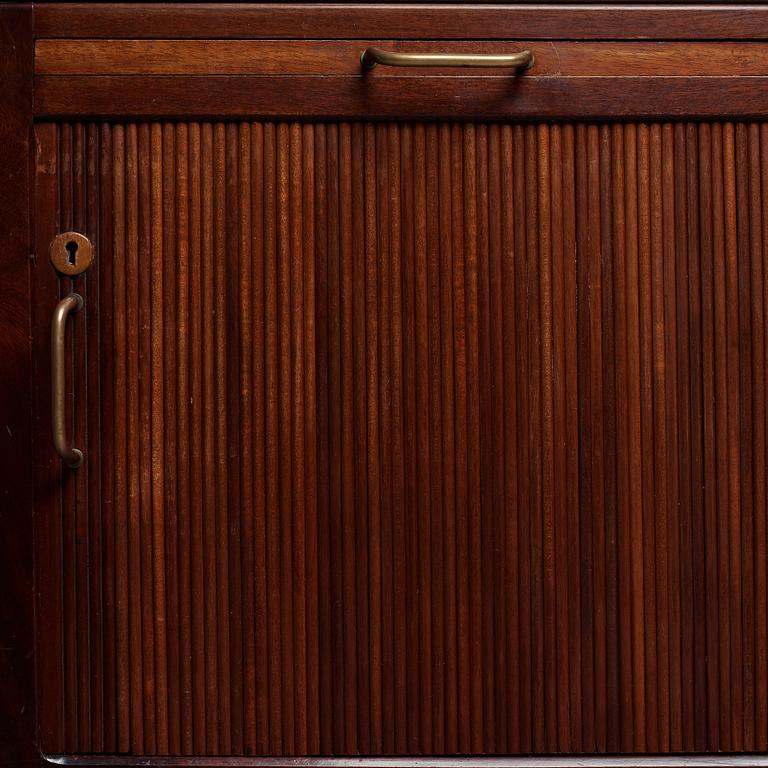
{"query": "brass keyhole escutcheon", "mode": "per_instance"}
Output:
(71, 253)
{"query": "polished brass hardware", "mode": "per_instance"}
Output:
(370, 57)
(71, 253)
(73, 303)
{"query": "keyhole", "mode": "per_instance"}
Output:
(71, 247)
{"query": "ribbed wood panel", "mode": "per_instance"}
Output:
(411, 439)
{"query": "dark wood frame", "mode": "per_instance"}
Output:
(296, 97)
(17, 704)
(449, 21)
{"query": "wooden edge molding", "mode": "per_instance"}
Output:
(342, 57)
(398, 98)
(576, 761)
(17, 705)
(405, 21)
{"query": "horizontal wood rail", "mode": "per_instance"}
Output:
(71, 56)
(656, 761)
(399, 98)
(446, 21)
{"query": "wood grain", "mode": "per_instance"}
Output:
(447, 21)
(400, 97)
(424, 439)
(341, 57)
(18, 523)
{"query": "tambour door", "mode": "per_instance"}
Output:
(406, 439)
(423, 410)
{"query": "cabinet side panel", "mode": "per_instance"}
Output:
(17, 701)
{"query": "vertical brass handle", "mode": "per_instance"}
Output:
(73, 303)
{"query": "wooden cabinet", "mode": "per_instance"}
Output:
(423, 410)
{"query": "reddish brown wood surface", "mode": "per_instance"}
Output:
(399, 97)
(342, 57)
(408, 439)
(17, 703)
(459, 21)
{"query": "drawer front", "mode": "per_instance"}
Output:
(304, 62)
(329, 58)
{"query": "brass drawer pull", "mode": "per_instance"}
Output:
(370, 57)
(73, 303)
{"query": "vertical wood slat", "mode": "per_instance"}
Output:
(197, 561)
(48, 530)
(412, 438)
(78, 215)
(93, 352)
(68, 496)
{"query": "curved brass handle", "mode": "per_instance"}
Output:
(370, 57)
(73, 303)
